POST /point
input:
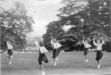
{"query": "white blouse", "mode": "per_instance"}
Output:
(98, 46)
(87, 45)
(43, 49)
(9, 46)
(55, 44)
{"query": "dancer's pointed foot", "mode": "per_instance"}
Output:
(98, 67)
(10, 62)
(86, 60)
(43, 73)
(11, 57)
(55, 63)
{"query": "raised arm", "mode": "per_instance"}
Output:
(52, 42)
(94, 42)
(103, 41)
(83, 40)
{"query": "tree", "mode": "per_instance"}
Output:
(95, 16)
(53, 28)
(87, 17)
(15, 24)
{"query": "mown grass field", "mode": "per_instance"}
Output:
(70, 63)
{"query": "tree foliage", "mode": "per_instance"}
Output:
(87, 18)
(94, 17)
(15, 24)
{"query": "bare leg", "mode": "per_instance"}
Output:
(10, 62)
(85, 54)
(55, 61)
(42, 68)
(86, 58)
(98, 66)
(99, 55)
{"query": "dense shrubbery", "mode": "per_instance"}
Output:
(107, 47)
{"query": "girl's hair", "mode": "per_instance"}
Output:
(100, 40)
(86, 40)
(41, 43)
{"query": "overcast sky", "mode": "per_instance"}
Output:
(43, 12)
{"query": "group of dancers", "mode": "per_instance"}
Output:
(57, 49)
(98, 49)
(42, 59)
(99, 54)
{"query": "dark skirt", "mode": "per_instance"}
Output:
(99, 55)
(42, 59)
(10, 52)
(56, 53)
(85, 51)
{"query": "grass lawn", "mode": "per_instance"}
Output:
(69, 63)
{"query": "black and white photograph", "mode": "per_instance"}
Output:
(55, 37)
